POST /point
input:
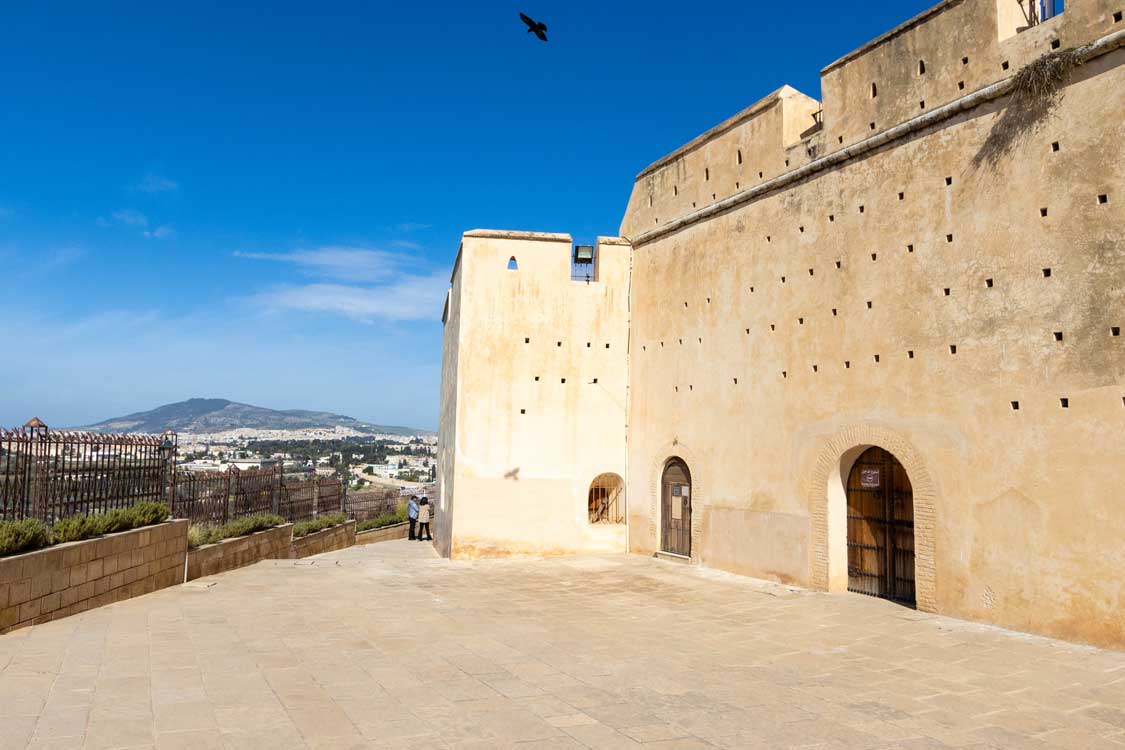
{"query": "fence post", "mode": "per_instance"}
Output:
(278, 490)
(229, 495)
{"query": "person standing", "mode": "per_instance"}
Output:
(424, 521)
(412, 514)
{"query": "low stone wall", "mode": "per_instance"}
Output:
(385, 534)
(325, 540)
(270, 544)
(69, 578)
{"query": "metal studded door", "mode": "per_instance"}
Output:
(880, 528)
(675, 507)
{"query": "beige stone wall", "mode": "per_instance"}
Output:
(70, 578)
(447, 427)
(325, 540)
(385, 534)
(540, 396)
(270, 544)
(771, 339)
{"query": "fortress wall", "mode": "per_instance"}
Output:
(827, 300)
(527, 448)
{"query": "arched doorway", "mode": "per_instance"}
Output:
(880, 527)
(606, 499)
(675, 508)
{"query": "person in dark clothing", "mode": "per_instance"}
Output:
(412, 514)
(424, 521)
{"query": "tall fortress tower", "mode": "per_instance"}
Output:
(869, 344)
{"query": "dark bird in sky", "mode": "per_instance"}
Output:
(535, 27)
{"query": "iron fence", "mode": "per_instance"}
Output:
(298, 500)
(215, 498)
(50, 475)
(368, 504)
(204, 497)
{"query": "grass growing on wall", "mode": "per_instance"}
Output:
(304, 528)
(30, 534)
(201, 534)
(386, 519)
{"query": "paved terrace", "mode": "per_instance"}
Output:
(388, 647)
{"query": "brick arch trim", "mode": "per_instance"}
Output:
(656, 472)
(925, 496)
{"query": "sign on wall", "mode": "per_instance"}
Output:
(870, 478)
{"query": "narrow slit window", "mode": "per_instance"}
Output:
(874, 91)
(921, 67)
(739, 156)
(512, 265)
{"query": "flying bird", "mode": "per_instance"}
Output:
(535, 27)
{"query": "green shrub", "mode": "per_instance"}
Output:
(22, 536)
(384, 519)
(72, 529)
(202, 534)
(304, 528)
(149, 513)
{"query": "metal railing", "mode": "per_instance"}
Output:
(49, 474)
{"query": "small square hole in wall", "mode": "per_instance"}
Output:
(1004, 65)
(523, 411)
(833, 312)
(1103, 199)
(691, 387)
(802, 229)
(811, 272)
(964, 61)
(988, 283)
(676, 388)
(1055, 44)
(784, 374)
(1115, 331)
(693, 204)
(760, 175)
(839, 264)
(814, 368)
(562, 380)
(595, 381)
(831, 217)
(909, 248)
(773, 327)
(713, 196)
(536, 378)
(1046, 273)
(662, 344)
(1117, 17)
(1058, 335)
(874, 256)
(847, 364)
(953, 348)
(558, 343)
(747, 331)
(949, 238)
(1064, 402)
(526, 340)
(782, 279)
(736, 381)
(922, 104)
(861, 209)
(960, 85)
(751, 290)
(685, 304)
(708, 300)
(800, 321)
(736, 186)
(1055, 146)
(876, 359)
(768, 238)
(1043, 211)
(841, 138)
(948, 180)
(901, 195)
(1015, 406)
(787, 162)
(871, 125)
(946, 291)
(701, 341)
(681, 341)
(607, 346)
(587, 344)
(868, 304)
(910, 354)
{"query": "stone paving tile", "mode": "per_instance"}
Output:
(386, 647)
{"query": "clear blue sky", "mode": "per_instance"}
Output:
(262, 201)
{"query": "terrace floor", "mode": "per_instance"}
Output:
(386, 646)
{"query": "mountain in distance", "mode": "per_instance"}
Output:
(205, 415)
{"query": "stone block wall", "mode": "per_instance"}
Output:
(326, 540)
(385, 534)
(50, 583)
(271, 544)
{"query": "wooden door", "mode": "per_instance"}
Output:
(675, 503)
(880, 528)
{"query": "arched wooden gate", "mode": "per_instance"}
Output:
(880, 528)
(675, 508)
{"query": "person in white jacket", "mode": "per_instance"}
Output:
(424, 521)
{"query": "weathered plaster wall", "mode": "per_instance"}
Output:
(447, 427)
(770, 337)
(541, 399)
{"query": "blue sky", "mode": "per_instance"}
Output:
(262, 201)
